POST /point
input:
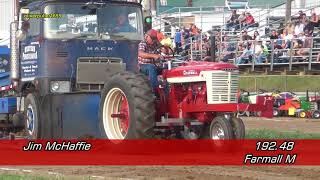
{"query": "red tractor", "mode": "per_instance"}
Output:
(195, 100)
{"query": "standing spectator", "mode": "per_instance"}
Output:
(233, 20)
(160, 35)
(256, 36)
(308, 29)
(167, 41)
(178, 41)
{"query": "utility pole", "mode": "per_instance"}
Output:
(288, 11)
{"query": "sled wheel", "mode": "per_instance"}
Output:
(32, 116)
(127, 107)
(238, 128)
(316, 114)
(221, 128)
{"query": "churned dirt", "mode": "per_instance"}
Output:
(189, 172)
(173, 172)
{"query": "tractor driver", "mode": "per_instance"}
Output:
(147, 58)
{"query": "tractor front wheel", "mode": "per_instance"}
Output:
(32, 116)
(238, 128)
(127, 107)
(221, 128)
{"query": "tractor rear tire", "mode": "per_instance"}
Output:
(32, 116)
(316, 114)
(220, 128)
(238, 128)
(127, 109)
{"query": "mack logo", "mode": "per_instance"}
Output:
(96, 48)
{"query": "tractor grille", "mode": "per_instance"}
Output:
(222, 87)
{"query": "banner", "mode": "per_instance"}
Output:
(160, 152)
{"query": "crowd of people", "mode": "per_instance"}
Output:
(294, 39)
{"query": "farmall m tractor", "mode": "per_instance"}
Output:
(201, 102)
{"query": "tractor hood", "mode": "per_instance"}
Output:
(194, 68)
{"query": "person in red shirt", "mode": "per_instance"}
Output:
(249, 20)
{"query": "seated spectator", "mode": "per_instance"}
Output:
(227, 52)
(245, 36)
(249, 20)
(298, 28)
(261, 52)
(242, 19)
(233, 20)
(287, 37)
(246, 55)
(273, 35)
(280, 28)
(256, 36)
(279, 42)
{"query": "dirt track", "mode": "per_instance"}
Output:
(191, 172)
(283, 124)
(169, 172)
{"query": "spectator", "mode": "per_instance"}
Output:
(287, 37)
(227, 52)
(308, 29)
(301, 15)
(280, 28)
(256, 36)
(274, 35)
(160, 35)
(178, 41)
(246, 55)
(242, 19)
(245, 36)
(261, 52)
(298, 28)
(249, 20)
(279, 42)
(233, 20)
(314, 19)
(166, 41)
